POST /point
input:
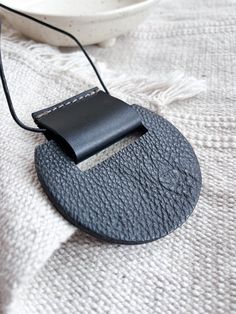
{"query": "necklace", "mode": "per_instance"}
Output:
(140, 194)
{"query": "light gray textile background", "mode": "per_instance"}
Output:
(46, 265)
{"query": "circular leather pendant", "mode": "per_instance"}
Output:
(140, 194)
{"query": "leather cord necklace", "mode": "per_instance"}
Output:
(140, 194)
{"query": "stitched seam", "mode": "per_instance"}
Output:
(57, 107)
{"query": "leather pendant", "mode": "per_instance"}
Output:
(140, 194)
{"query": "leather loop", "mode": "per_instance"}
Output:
(87, 123)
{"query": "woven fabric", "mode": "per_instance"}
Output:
(46, 265)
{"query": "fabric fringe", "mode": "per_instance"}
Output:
(158, 93)
(155, 94)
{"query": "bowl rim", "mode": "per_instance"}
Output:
(110, 14)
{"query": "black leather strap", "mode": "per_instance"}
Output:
(87, 123)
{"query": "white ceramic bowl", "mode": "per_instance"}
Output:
(91, 21)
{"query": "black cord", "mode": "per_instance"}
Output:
(3, 78)
(8, 97)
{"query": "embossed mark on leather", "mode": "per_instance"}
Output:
(169, 177)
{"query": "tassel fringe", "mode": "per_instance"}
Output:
(155, 94)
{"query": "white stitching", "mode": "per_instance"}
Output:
(66, 104)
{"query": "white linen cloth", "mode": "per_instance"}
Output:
(47, 265)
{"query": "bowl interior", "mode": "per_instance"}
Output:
(70, 7)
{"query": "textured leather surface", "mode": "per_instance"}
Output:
(140, 194)
(87, 123)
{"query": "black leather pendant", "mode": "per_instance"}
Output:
(140, 194)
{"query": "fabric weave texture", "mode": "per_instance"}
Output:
(47, 265)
